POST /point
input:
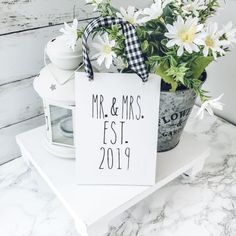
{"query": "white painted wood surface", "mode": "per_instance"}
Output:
(93, 207)
(8, 146)
(23, 15)
(21, 54)
(19, 102)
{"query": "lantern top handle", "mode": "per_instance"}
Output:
(133, 50)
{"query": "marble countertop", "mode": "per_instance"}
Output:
(204, 206)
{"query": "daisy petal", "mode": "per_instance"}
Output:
(180, 51)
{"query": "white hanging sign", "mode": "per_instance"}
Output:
(116, 129)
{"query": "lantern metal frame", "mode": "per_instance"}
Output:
(57, 91)
(58, 148)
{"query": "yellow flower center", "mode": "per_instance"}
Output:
(106, 49)
(187, 36)
(131, 20)
(209, 42)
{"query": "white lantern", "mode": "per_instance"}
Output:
(56, 87)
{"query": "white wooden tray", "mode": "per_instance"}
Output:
(92, 207)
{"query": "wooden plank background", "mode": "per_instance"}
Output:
(25, 28)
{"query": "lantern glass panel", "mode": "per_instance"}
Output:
(62, 125)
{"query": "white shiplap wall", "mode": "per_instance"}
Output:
(25, 28)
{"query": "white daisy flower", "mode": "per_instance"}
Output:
(94, 3)
(105, 53)
(211, 41)
(209, 105)
(193, 7)
(154, 12)
(70, 34)
(129, 14)
(229, 34)
(184, 34)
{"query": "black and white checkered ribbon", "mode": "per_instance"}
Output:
(133, 50)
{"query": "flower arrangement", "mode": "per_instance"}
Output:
(176, 37)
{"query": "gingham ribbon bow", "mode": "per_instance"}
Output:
(133, 51)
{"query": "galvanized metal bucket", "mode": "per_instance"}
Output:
(175, 108)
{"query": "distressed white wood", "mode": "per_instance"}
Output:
(19, 102)
(22, 15)
(21, 55)
(92, 207)
(8, 146)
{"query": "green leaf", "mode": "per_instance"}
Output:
(168, 15)
(199, 65)
(144, 46)
(162, 72)
(177, 72)
(168, 11)
(173, 61)
(154, 58)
